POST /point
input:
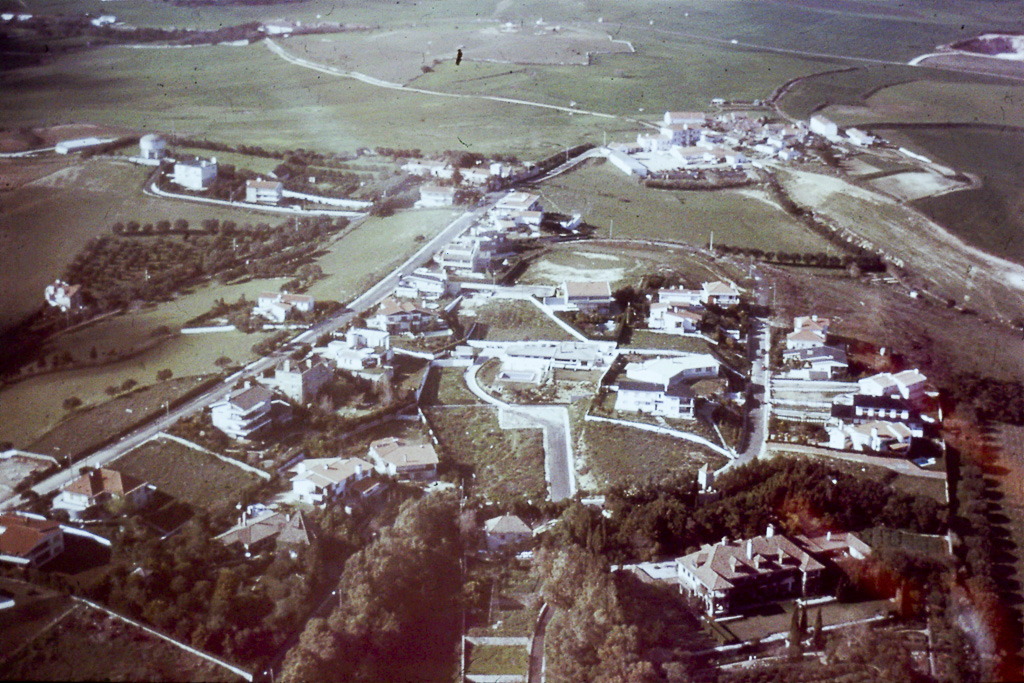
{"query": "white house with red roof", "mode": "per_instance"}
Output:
(263, 191)
(97, 487)
(719, 293)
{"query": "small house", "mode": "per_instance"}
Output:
(506, 531)
(404, 459)
(29, 541)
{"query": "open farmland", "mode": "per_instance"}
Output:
(617, 455)
(398, 55)
(945, 265)
(191, 476)
(579, 265)
(501, 463)
(746, 218)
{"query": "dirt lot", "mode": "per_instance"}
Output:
(189, 475)
(88, 645)
(399, 55)
(15, 469)
(940, 341)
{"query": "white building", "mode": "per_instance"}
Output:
(321, 480)
(400, 317)
(673, 319)
(909, 384)
(719, 293)
(824, 127)
(681, 297)
(675, 369)
(301, 381)
(243, 413)
(675, 401)
(28, 541)
(361, 349)
(424, 284)
(404, 459)
(684, 118)
(506, 531)
(627, 164)
(435, 196)
(69, 146)
(263, 191)
(152, 146)
(282, 306)
(63, 296)
(197, 175)
(587, 296)
(860, 138)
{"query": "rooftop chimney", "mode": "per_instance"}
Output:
(750, 549)
(770, 531)
(828, 536)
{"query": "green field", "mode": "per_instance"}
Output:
(85, 429)
(746, 217)
(505, 320)
(497, 660)
(447, 386)
(992, 216)
(361, 257)
(191, 476)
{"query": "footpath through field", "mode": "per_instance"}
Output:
(377, 82)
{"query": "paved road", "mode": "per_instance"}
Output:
(758, 391)
(537, 647)
(361, 303)
(559, 464)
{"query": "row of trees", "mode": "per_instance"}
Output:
(866, 262)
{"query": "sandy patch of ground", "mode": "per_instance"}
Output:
(950, 267)
(557, 273)
(917, 185)
(400, 55)
(597, 256)
(15, 173)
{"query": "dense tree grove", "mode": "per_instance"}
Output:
(195, 588)
(397, 613)
(589, 638)
(992, 399)
(800, 495)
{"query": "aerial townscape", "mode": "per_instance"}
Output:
(491, 342)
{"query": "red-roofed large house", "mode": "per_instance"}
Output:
(97, 487)
(731, 575)
(396, 316)
(29, 541)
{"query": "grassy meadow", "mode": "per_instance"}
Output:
(361, 257)
(744, 217)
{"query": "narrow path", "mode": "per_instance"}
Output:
(537, 663)
(379, 83)
(679, 434)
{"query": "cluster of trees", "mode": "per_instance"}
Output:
(115, 270)
(248, 150)
(589, 638)
(663, 519)
(991, 399)
(193, 587)
(397, 617)
(297, 173)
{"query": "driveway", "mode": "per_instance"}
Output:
(559, 465)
